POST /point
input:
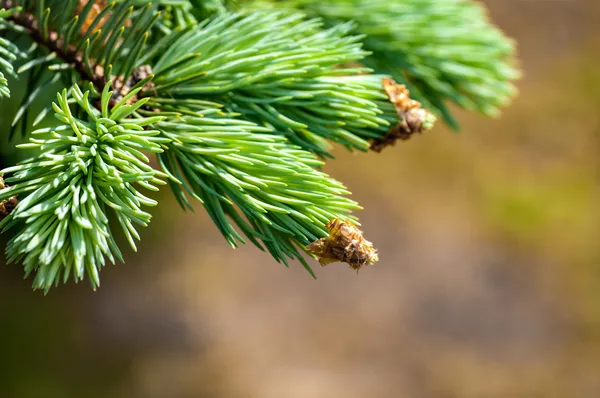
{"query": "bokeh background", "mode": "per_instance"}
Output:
(488, 284)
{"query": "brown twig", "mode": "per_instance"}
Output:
(56, 45)
(73, 56)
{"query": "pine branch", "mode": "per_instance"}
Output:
(76, 47)
(85, 168)
(88, 166)
(57, 45)
(442, 50)
(237, 108)
(8, 54)
(268, 188)
(281, 71)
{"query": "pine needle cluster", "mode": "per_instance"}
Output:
(238, 103)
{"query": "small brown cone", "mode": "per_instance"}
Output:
(346, 244)
(8, 205)
(413, 118)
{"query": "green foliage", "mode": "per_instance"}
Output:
(443, 50)
(279, 70)
(113, 42)
(235, 169)
(239, 108)
(8, 54)
(86, 167)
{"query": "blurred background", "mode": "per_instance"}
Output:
(488, 284)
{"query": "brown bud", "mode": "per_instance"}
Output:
(8, 205)
(346, 244)
(413, 118)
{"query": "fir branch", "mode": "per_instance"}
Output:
(442, 50)
(51, 40)
(281, 71)
(80, 45)
(267, 187)
(85, 168)
(9, 53)
(235, 107)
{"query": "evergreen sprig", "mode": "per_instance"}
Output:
(8, 54)
(281, 71)
(86, 168)
(84, 45)
(443, 50)
(239, 107)
(268, 188)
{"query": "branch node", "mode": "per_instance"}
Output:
(122, 88)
